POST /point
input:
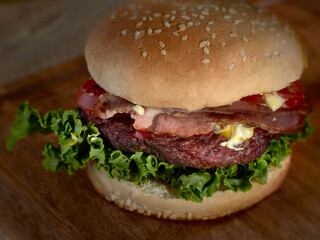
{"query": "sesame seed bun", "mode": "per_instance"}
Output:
(189, 55)
(153, 198)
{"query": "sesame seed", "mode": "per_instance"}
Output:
(133, 17)
(232, 11)
(233, 59)
(237, 21)
(167, 15)
(124, 32)
(284, 41)
(182, 27)
(244, 14)
(190, 24)
(286, 28)
(266, 54)
(206, 50)
(205, 13)
(161, 44)
(163, 52)
(157, 31)
(278, 35)
(147, 11)
(184, 37)
(208, 43)
(244, 59)
(263, 24)
(223, 44)
(185, 17)
(223, 9)
(253, 59)
(197, 23)
(139, 24)
(206, 60)
(137, 33)
(167, 24)
(242, 52)
(202, 44)
(194, 15)
(201, 17)
(175, 33)
(227, 17)
(231, 66)
(149, 30)
(245, 39)
(144, 18)
(150, 18)
(210, 22)
(275, 53)
(253, 22)
(208, 28)
(233, 35)
(124, 14)
(213, 35)
(172, 18)
(144, 53)
(157, 14)
(274, 18)
(253, 31)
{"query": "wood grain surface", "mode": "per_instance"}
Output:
(37, 204)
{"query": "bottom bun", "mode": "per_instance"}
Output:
(154, 198)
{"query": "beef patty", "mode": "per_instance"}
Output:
(198, 151)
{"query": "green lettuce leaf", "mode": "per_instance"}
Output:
(27, 122)
(79, 143)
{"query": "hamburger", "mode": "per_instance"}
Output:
(190, 112)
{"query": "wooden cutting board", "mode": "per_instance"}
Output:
(37, 204)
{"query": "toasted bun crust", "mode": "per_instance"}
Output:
(157, 199)
(192, 55)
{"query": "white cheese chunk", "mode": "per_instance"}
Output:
(139, 109)
(238, 134)
(274, 101)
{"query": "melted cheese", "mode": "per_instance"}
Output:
(138, 109)
(237, 134)
(274, 101)
(152, 112)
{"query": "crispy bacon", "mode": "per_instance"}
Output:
(177, 122)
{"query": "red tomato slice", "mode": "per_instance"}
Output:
(258, 99)
(88, 95)
(293, 95)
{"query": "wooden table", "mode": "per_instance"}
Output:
(37, 204)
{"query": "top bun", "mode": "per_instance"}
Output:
(192, 54)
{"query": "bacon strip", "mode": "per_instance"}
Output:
(177, 122)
